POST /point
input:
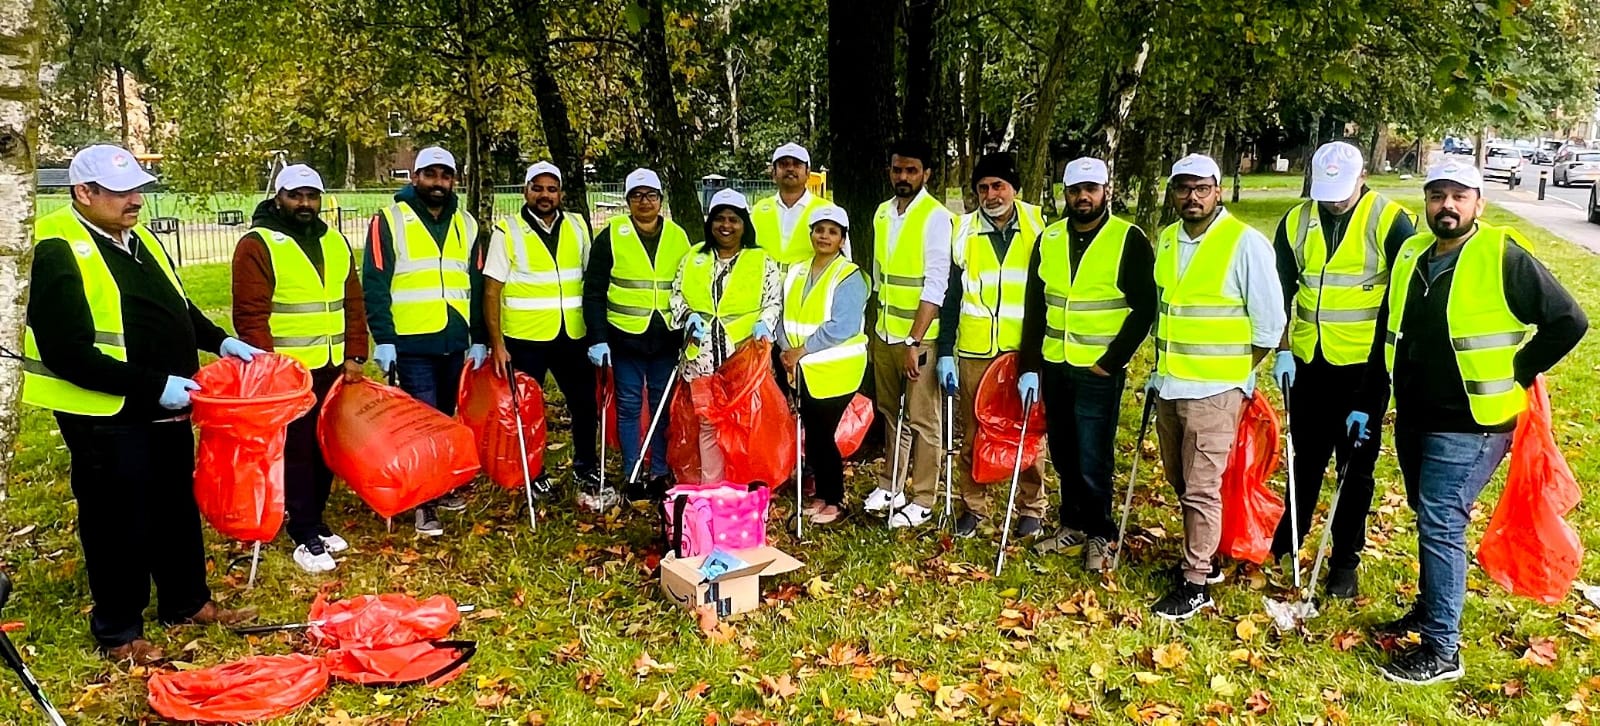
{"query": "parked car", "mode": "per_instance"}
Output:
(1576, 166)
(1505, 162)
(1547, 152)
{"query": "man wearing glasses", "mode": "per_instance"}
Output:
(1220, 312)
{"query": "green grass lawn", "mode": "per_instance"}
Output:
(876, 626)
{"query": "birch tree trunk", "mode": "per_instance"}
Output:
(19, 106)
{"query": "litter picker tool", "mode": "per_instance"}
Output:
(897, 485)
(799, 456)
(946, 515)
(608, 388)
(661, 409)
(522, 448)
(13, 659)
(278, 627)
(1133, 478)
(1294, 491)
(1016, 474)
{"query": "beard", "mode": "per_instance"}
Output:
(1086, 216)
(1460, 229)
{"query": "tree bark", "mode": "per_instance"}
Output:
(972, 114)
(1035, 154)
(349, 164)
(916, 112)
(861, 112)
(1129, 89)
(1378, 153)
(19, 109)
(683, 198)
(565, 151)
(1311, 148)
(122, 101)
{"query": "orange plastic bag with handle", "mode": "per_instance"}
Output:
(1250, 507)
(682, 429)
(394, 451)
(254, 689)
(1528, 547)
(998, 408)
(854, 425)
(484, 404)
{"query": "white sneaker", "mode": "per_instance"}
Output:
(334, 543)
(314, 563)
(880, 500)
(910, 515)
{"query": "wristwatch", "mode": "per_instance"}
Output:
(913, 342)
(360, 360)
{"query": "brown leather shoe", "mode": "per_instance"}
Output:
(138, 652)
(213, 614)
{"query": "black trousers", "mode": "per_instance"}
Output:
(567, 361)
(1081, 409)
(820, 419)
(306, 476)
(1320, 400)
(138, 521)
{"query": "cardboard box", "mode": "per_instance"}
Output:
(734, 591)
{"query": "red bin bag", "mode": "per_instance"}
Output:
(1528, 547)
(755, 429)
(379, 621)
(484, 405)
(853, 427)
(254, 689)
(682, 430)
(394, 451)
(998, 408)
(241, 410)
(426, 663)
(1250, 508)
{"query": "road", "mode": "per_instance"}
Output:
(1563, 212)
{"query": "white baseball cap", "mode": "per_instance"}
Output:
(434, 156)
(1460, 171)
(1196, 165)
(112, 167)
(642, 178)
(829, 213)
(1335, 172)
(297, 176)
(795, 150)
(542, 167)
(1084, 171)
(729, 198)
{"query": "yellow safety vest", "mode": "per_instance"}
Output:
(42, 388)
(739, 308)
(834, 371)
(307, 320)
(640, 286)
(899, 279)
(1483, 332)
(789, 249)
(993, 290)
(1084, 308)
(1336, 304)
(1202, 332)
(428, 280)
(542, 293)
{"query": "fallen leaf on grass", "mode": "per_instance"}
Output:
(644, 665)
(1223, 687)
(589, 678)
(1258, 703)
(568, 652)
(906, 705)
(781, 688)
(819, 588)
(1346, 640)
(1541, 652)
(1146, 678)
(1170, 656)
(1246, 629)
(697, 691)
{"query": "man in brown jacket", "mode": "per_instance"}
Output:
(296, 291)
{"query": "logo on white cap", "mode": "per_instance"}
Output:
(830, 213)
(112, 167)
(642, 178)
(792, 150)
(434, 156)
(542, 167)
(1086, 170)
(297, 176)
(1197, 165)
(729, 198)
(1336, 172)
(1453, 170)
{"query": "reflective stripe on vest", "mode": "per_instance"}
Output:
(1084, 308)
(785, 249)
(543, 293)
(993, 290)
(428, 280)
(1202, 332)
(739, 307)
(1483, 333)
(42, 388)
(1336, 304)
(899, 279)
(834, 371)
(307, 320)
(640, 286)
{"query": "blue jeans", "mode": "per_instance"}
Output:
(633, 375)
(431, 379)
(1081, 409)
(1444, 473)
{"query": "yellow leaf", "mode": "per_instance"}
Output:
(905, 704)
(1146, 678)
(382, 699)
(1170, 656)
(1223, 687)
(819, 588)
(1097, 671)
(1246, 630)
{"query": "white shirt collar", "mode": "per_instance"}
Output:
(805, 199)
(123, 241)
(1183, 234)
(894, 207)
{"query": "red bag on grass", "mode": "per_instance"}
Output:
(682, 430)
(854, 426)
(254, 689)
(999, 413)
(1528, 547)
(484, 405)
(394, 451)
(242, 410)
(425, 663)
(605, 401)
(376, 621)
(1250, 507)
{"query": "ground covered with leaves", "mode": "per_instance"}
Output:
(879, 627)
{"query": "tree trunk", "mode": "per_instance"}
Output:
(972, 114)
(683, 198)
(1035, 153)
(916, 112)
(19, 110)
(1378, 154)
(565, 151)
(1129, 85)
(349, 164)
(122, 101)
(1311, 148)
(861, 113)
(730, 71)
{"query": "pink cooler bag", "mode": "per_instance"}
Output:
(698, 517)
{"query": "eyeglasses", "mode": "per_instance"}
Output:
(1198, 190)
(644, 197)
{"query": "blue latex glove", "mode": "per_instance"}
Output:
(1356, 425)
(946, 368)
(384, 355)
(176, 395)
(1028, 387)
(695, 327)
(1283, 367)
(238, 349)
(1249, 386)
(477, 353)
(761, 331)
(600, 354)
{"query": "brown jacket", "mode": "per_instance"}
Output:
(253, 284)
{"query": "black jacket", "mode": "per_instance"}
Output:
(1135, 278)
(657, 340)
(377, 271)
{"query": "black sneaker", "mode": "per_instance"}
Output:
(1423, 666)
(542, 487)
(1409, 623)
(1028, 527)
(587, 478)
(1214, 577)
(1343, 583)
(638, 491)
(967, 525)
(428, 522)
(659, 484)
(1184, 601)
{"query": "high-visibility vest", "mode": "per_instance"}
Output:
(42, 388)
(1202, 331)
(785, 249)
(899, 279)
(429, 280)
(1338, 299)
(640, 286)
(1483, 332)
(829, 372)
(739, 308)
(993, 290)
(307, 320)
(1084, 308)
(543, 293)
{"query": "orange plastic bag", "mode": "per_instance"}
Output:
(853, 427)
(394, 451)
(484, 405)
(1528, 547)
(381, 621)
(254, 689)
(743, 402)
(1250, 508)
(426, 663)
(682, 430)
(241, 410)
(999, 413)
(605, 401)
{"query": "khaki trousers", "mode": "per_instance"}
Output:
(1031, 496)
(1196, 435)
(920, 440)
